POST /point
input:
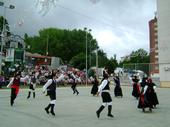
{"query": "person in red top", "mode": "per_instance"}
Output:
(14, 85)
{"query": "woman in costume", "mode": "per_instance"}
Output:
(14, 85)
(117, 90)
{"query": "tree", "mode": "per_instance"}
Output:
(65, 44)
(137, 60)
(2, 20)
(78, 61)
(139, 56)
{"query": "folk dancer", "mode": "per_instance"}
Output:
(104, 90)
(14, 85)
(147, 98)
(95, 83)
(32, 85)
(50, 86)
(136, 87)
(74, 83)
(117, 89)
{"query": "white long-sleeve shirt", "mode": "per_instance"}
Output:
(102, 85)
(49, 82)
(21, 80)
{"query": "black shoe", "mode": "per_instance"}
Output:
(34, 95)
(143, 109)
(110, 115)
(46, 109)
(150, 109)
(29, 93)
(12, 103)
(98, 114)
(52, 113)
(77, 93)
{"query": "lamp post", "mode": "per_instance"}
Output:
(85, 29)
(3, 34)
(97, 63)
(90, 52)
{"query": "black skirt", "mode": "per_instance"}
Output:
(94, 89)
(31, 87)
(118, 91)
(52, 95)
(106, 97)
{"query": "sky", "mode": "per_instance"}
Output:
(119, 26)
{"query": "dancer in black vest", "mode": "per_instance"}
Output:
(74, 83)
(104, 89)
(32, 85)
(50, 86)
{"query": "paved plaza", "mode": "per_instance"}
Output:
(79, 111)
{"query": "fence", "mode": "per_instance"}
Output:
(151, 69)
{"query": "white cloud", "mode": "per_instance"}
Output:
(119, 26)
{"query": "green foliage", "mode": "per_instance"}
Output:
(2, 20)
(69, 45)
(79, 61)
(138, 56)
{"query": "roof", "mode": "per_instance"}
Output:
(36, 55)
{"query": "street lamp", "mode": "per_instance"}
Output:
(97, 63)
(3, 34)
(90, 52)
(85, 29)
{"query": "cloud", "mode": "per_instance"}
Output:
(119, 26)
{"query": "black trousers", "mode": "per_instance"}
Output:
(13, 95)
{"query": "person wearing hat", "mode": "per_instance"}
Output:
(14, 85)
(104, 90)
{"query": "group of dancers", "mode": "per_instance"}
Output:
(145, 92)
(49, 87)
(104, 90)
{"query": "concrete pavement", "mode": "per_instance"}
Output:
(79, 111)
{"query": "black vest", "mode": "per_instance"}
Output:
(107, 86)
(52, 87)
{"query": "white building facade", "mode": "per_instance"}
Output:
(163, 11)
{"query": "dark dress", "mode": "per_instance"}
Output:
(155, 98)
(95, 87)
(146, 100)
(136, 88)
(117, 89)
